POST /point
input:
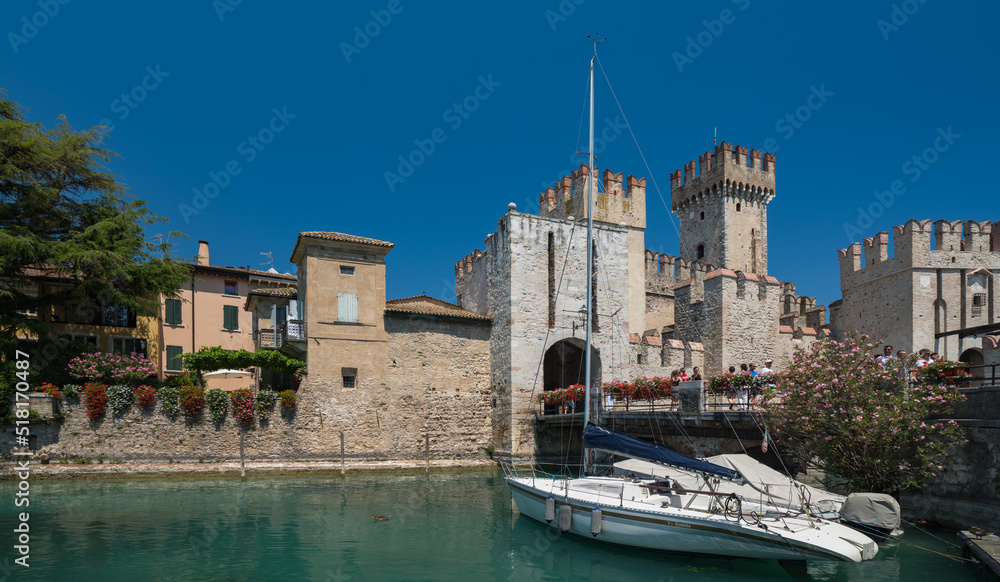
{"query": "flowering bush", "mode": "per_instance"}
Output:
(640, 388)
(50, 389)
(300, 374)
(943, 372)
(121, 399)
(572, 393)
(169, 401)
(729, 383)
(119, 368)
(265, 402)
(192, 400)
(145, 396)
(243, 404)
(287, 399)
(858, 419)
(71, 390)
(218, 403)
(95, 396)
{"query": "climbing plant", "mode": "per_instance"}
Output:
(212, 358)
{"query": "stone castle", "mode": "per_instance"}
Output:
(713, 306)
(937, 292)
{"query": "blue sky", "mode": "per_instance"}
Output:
(298, 114)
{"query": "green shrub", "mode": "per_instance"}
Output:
(169, 401)
(71, 391)
(265, 403)
(218, 404)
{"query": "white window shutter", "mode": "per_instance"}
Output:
(347, 307)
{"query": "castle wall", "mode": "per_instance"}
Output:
(927, 286)
(472, 283)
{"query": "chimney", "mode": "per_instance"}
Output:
(203, 252)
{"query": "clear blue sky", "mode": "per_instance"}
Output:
(186, 84)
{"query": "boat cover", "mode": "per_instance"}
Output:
(872, 509)
(604, 439)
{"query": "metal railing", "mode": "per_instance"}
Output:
(266, 338)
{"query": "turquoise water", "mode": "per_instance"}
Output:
(446, 526)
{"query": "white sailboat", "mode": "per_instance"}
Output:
(660, 514)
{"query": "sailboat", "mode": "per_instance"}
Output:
(658, 513)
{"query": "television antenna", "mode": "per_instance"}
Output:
(270, 259)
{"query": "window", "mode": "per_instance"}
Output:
(174, 358)
(172, 311)
(347, 307)
(703, 215)
(92, 340)
(230, 317)
(128, 345)
(345, 270)
(737, 207)
(231, 288)
(350, 376)
(700, 252)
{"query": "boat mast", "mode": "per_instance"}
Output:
(590, 258)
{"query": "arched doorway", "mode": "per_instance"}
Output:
(973, 357)
(563, 366)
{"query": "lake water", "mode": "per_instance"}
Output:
(445, 526)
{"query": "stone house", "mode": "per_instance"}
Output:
(936, 291)
(388, 372)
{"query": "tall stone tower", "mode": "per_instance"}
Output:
(723, 208)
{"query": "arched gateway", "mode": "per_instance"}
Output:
(564, 366)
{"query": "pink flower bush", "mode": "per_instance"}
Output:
(859, 419)
(115, 368)
(243, 404)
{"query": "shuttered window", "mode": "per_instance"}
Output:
(174, 358)
(347, 307)
(172, 311)
(230, 317)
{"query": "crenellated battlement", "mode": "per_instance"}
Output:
(730, 171)
(921, 244)
(663, 271)
(616, 200)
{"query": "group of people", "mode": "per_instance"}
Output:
(887, 359)
(746, 398)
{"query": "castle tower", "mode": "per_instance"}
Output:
(723, 207)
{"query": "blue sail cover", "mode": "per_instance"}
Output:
(603, 439)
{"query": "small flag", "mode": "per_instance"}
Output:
(714, 136)
(763, 444)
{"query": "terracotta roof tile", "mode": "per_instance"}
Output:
(290, 292)
(676, 344)
(751, 276)
(785, 329)
(697, 346)
(771, 279)
(720, 273)
(341, 237)
(633, 338)
(683, 283)
(424, 305)
(808, 330)
(652, 340)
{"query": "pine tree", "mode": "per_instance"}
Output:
(63, 214)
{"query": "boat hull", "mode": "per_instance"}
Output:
(661, 531)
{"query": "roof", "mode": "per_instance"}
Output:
(785, 329)
(281, 292)
(424, 305)
(241, 271)
(674, 343)
(808, 330)
(652, 340)
(339, 237)
(633, 338)
(721, 273)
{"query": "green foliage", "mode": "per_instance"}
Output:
(63, 212)
(211, 358)
(185, 379)
(858, 419)
(169, 401)
(45, 364)
(490, 450)
(218, 404)
(71, 391)
(944, 372)
(265, 403)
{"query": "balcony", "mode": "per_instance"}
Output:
(290, 332)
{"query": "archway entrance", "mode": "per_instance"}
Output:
(563, 366)
(973, 357)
